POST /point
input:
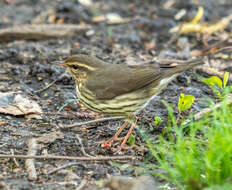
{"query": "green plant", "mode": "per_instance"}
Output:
(185, 102)
(131, 140)
(109, 31)
(214, 82)
(225, 79)
(157, 120)
(196, 156)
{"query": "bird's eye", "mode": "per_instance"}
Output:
(75, 67)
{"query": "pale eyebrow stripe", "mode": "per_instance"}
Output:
(84, 66)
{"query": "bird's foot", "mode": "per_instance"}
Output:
(108, 143)
(115, 137)
(123, 145)
(124, 140)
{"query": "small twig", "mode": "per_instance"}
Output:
(29, 163)
(41, 31)
(49, 85)
(107, 158)
(82, 185)
(82, 146)
(14, 160)
(223, 48)
(205, 111)
(62, 167)
(72, 114)
(46, 87)
(92, 122)
(208, 49)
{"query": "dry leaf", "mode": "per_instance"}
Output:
(111, 18)
(203, 28)
(17, 104)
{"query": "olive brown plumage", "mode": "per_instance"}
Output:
(119, 89)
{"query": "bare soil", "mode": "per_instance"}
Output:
(25, 66)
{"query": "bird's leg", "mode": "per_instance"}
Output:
(115, 137)
(122, 146)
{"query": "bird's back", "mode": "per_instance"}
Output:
(123, 90)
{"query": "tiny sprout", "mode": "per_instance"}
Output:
(131, 140)
(157, 120)
(185, 102)
(212, 81)
(225, 79)
(216, 81)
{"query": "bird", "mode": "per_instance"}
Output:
(120, 89)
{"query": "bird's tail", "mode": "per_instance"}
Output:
(177, 68)
(193, 62)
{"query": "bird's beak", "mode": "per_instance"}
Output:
(60, 63)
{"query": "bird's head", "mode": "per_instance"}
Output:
(81, 66)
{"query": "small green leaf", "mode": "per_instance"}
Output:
(131, 140)
(229, 88)
(185, 102)
(71, 168)
(109, 31)
(225, 79)
(212, 81)
(157, 120)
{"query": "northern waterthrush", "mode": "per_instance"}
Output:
(119, 89)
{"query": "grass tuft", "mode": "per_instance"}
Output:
(199, 155)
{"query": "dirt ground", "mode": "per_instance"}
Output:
(140, 36)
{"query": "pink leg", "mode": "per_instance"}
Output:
(122, 146)
(115, 137)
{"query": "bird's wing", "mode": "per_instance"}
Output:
(115, 80)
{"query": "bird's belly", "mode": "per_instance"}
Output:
(157, 89)
(126, 104)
